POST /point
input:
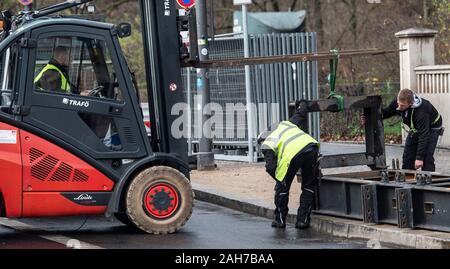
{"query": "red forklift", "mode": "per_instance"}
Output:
(86, 151)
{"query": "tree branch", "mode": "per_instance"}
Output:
(109, 9)
(294, 3)
(259, 6)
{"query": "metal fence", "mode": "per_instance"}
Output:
(273, 87)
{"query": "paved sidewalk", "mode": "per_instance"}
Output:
(247, 187)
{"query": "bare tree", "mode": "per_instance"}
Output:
(317, 21)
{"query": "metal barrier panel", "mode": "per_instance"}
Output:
(403, 198)
(273, 87)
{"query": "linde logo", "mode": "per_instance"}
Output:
(79, 103)
(83, 197)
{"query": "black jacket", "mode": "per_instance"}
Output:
(423, 119)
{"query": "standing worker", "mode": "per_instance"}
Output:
(286, 150)
(424, 126)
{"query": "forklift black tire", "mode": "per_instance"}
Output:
(159, 200)
(123, 218)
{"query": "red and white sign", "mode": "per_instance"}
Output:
(173, 87)
(25, 2)
(186, 4)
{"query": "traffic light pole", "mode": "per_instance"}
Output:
(248, 87)
(205, 157)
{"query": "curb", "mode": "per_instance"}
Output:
(350, 229)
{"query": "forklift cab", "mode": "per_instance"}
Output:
(97, 113)
(72, 134)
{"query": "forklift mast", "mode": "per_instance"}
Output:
(162, 50)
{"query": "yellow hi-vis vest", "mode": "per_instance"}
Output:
(65, 86)
(287, 141)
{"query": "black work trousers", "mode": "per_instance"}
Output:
(409, 154)
(307, 161)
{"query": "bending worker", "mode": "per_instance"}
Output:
(424, 126)
(286, 150)
(54, 76)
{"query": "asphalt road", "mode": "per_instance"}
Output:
(210, 227)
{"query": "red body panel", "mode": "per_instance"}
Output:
(11, 172)
(34, 172)
(53, 204)
(47, 167)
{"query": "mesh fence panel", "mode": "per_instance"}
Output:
(273, 86)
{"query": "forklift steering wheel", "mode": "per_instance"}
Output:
(96, 92)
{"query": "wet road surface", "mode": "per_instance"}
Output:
(210, 227)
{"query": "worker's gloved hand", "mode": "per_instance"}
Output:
(302, 107)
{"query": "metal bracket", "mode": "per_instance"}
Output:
(20, 110)
(384, 176)
(370, 203)
(423, 179)
(28, 43)
(404, 208)
(400, 177)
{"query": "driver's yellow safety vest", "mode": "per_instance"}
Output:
(65, 86)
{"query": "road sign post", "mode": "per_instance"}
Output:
(244, 4)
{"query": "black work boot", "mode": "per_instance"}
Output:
(278, 224)
(304, 211)
(304, 217)
(303, 224)
(279, 220)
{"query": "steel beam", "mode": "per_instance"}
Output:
(404, 204)
(340, 198)
(307, 57)
(344, 160)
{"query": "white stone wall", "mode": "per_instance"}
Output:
(433, 84)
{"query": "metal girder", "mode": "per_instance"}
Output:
(402, 203)
(344, 160)
(430, 208)
(352, 102)
(374, 156)
(340, 198)
(380, 203)
(288, 58)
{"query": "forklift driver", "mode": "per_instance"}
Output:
(54, 76)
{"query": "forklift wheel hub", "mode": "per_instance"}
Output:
(161, 200)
